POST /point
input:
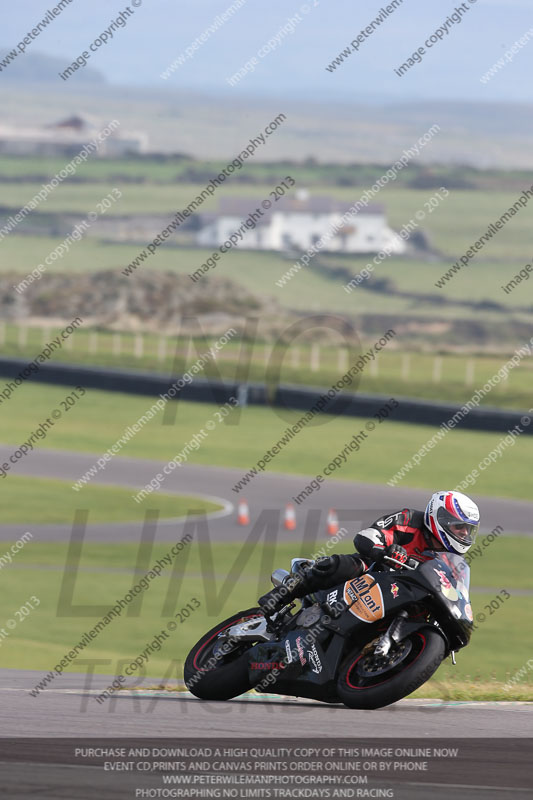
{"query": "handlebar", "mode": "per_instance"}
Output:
(408, 564)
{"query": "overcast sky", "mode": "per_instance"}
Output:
(160, 30)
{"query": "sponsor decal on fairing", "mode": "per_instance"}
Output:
(288, 651)
(364, 598)
(314, 660)
(299, 647)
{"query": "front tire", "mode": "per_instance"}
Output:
(366, 682)
(210, 676)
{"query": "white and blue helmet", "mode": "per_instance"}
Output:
(453, 518)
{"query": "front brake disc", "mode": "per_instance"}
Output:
(371, 664)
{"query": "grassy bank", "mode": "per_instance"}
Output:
(100, 418)
(41, 501)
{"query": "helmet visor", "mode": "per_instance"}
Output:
(462, 532)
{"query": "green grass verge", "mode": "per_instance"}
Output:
(100, 418)
(225, 578)
(438, 690)
(43, 501)
(467, 689)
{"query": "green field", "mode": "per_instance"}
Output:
(307, 291)
(399, 289)
(453, 226)
(409, 291)
(43, 501)
(97, 423)
(169, 169)
(224, 580)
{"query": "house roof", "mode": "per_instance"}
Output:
(77, 122)
(292, 204)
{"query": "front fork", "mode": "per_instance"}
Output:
(391, 635)
(400, 627)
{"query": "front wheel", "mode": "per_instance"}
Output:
(369, 681)
(215, 671)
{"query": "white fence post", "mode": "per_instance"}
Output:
(138, 345)
(22, 335)
(406, 367)
(315, 357)
(162, 348)
(504, 384)
(437, 369)
(342, 359)
(93, 342)
(470, 372)
(295, 357)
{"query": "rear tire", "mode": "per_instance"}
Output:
(214, 678)
(357, 687)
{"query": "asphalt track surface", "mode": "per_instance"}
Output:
(357, 504)
(69, 709)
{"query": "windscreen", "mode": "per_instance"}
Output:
(457, 566)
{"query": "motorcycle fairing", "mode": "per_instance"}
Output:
(448, 577)
(270, 658)
(302, 655)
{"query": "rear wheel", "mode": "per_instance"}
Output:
(215, 670)
(367, 680)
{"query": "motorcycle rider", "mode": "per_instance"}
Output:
(449, 523)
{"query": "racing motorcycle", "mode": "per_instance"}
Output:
(366, 643)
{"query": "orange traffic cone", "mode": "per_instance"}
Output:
(243, 513)
(289, 522)
(332, 522)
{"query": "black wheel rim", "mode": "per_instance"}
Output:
(360, 675)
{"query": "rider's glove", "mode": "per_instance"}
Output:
(398, 554)
(324, 567)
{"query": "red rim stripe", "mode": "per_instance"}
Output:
(219, 630)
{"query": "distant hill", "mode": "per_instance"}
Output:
(38, 68)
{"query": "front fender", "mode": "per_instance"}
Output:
(409, 626)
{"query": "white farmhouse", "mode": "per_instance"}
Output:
(296, 223)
